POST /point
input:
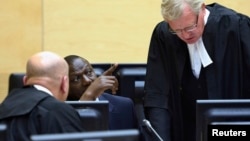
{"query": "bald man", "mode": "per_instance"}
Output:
(39, 107)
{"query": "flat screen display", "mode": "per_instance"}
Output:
(223, 119)
(114, 135)
(94, 114)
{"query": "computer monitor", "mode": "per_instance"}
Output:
(217, 118)
(3, 130)
(114, 135)
(94, 114)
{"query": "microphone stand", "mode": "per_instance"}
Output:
(147, 123)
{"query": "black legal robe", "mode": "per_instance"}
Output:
(226, 38)
(28, 111)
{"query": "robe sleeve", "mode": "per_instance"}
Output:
(156, 86)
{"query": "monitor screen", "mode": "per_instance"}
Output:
(94, 114)
(114, 135)
(216, 119)
(3, 130)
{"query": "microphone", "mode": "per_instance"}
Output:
(147, 123)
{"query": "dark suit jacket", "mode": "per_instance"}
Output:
(28, 111)
(121, 112)
(226, 39)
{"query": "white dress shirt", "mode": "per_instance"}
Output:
(41, 88)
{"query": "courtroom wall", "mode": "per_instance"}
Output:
(101, 31)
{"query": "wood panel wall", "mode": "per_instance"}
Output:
(20, 36)
(101, 31)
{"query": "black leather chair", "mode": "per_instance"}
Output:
(15, 80)
(105, 66)
(131, 82)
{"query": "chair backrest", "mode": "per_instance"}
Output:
(131, 82)
(105, 66)
(15, 81)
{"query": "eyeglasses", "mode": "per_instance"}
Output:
(186, 29)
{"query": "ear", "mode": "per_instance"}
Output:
(203, 6)
(25, 79)
(65, 85)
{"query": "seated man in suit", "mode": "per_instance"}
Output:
(85, 85)
(39, 107)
